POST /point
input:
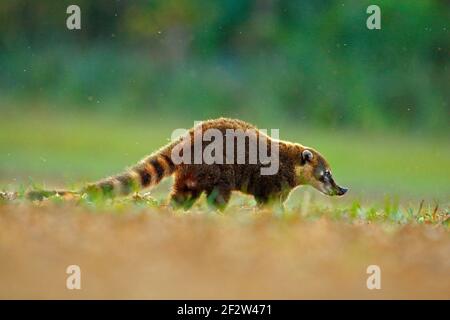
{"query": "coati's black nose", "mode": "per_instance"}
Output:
(342, 191)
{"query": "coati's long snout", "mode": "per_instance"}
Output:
(331, 187)
(336, 190)
(315, 171)
(341, 191)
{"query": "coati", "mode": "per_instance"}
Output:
(298, 165)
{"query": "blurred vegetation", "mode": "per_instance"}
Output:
(311, 62)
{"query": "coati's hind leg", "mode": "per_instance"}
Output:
(184, 194)
(218, 197)
(184, 198)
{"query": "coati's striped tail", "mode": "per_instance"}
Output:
(148, 172)
(41, 194)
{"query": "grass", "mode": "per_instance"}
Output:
(131, 248)
(395, 216)
(305, 206)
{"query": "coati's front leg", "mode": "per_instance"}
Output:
(274, 201)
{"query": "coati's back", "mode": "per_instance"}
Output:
(246, 176)
(152, 169)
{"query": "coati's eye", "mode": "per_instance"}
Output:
(321, 176)
(325, 175)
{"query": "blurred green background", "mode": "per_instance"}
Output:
(76, 105)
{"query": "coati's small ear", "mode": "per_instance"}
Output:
(307, 156)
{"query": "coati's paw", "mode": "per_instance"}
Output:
(218, 199)
(275, 205)
(183, 205)
(183, 200)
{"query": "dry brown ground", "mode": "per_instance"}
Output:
(155, 254)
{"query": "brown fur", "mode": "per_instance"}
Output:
(218, 180)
